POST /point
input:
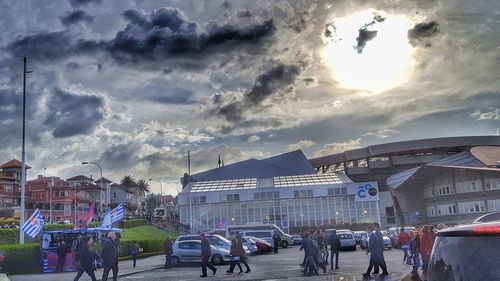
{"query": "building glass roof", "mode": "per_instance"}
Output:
(252, 183)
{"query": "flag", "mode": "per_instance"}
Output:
(34, 224)
(117, 214)
(90, 215)
(106, 222)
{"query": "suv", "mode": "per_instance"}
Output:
(468, 252)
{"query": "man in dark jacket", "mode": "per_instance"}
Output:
(206, 252)
(310, 250)
(61, 255)
(109, 255)
(276, 242)
(167, 247)
(335, 249)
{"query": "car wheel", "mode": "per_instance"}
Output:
(390, 248)
(175, 261)
(353, 248)
(284, 244)
(217, 259)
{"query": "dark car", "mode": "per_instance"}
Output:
(469, 252)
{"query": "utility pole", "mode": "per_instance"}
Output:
(23, 165)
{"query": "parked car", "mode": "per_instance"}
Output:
(347, 240)
(266, 235)
(250, 244)
(468, 252)
(495, 216)
(190, 251)
(358, 235)
(262, 245)
(215, 240)
(366, 240)
(297, 239)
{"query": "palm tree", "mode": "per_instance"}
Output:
(128, 181)
(143, 186)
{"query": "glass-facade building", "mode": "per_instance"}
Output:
(287, 201)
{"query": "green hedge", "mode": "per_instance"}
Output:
(148, 246)
(20, 257)
(132, 223)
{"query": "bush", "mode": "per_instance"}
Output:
(148, 246)
(132, 223)
(55, 227)
(21, 257)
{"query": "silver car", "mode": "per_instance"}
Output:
(190, 251)
(347, 240)
(215, 240)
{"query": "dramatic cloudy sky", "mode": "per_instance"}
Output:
(134, 85)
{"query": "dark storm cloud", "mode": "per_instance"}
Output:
(364, 36)
(167, 31)
(71, 115)
(78, 3)
(51, 45)
(121, 156)
(75, 17)
(276, 80)
(422, 31)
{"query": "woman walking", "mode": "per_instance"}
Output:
(86, 260)
(241, 252)
(234, 253)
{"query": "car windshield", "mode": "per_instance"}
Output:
(465, 258)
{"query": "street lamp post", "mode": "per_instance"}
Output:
(85, 163)
(50, 201)
(161, 189)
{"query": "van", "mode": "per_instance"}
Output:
(266, 235)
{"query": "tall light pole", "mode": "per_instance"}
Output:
(85, 163)
(161, 189)
(50, 200)
(23, 165)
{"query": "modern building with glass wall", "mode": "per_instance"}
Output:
(282, 190)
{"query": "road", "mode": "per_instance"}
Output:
(284, 265)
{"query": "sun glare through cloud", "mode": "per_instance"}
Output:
(369, 50)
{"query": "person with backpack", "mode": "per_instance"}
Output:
(86, 259)
(134, 252)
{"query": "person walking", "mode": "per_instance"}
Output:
(309, 249)
(323, 247)
(335, 249)
(376, 250)
(426, 243)
(235, 256)
(404, 240)
(276, 241)
(169, 251)
(241, 252)
(61, 255)
(134, 252)
(86, 260)
(109, 255)
(415, 253)
(206, 252)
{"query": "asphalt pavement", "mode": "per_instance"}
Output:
(284, 265)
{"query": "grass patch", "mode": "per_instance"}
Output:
(146, 232)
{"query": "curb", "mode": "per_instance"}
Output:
(132, 273)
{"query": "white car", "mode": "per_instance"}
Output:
(366, 240)
(347, 240)
(215, 240)
(190, 251)
(250, 244)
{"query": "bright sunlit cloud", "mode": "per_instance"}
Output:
(386, 61)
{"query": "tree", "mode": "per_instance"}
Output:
(128, 181)
(143, 187)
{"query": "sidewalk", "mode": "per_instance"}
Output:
(125, 268)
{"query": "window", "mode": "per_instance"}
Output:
(8, 188)
(42, 196)
(114, 195)
(471, 207)
(184, 245)
(33, 195)
(303, 193)
(431, 211)
(446, 209)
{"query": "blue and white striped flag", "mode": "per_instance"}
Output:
(118, 213)
(34, 224)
